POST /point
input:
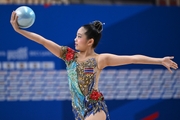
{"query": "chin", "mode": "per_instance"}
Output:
(76, 48)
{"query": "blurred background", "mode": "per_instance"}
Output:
(33, 82)
(103, 2)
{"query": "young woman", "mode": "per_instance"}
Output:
(85, 65)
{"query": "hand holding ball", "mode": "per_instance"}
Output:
(26, 16)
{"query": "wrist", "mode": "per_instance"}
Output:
(18, 30)
(161, 61)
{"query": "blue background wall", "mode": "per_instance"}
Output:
(128, 30)
(148, 30)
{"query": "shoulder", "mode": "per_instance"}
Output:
(67, 49)
(104, 56)
(68, 54)
(101, 60)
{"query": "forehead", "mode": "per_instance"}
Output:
(81, 30)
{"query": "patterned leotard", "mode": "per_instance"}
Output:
(82, 78)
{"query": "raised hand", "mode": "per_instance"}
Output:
(168, 63)
(13, 21)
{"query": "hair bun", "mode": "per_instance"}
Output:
(97, 25)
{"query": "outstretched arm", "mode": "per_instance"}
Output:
(105, 60)
(51, 46)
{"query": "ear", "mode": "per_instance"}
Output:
(90, 42)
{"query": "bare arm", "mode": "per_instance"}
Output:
(115, 60)
(50, 45)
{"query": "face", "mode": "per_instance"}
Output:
(81, 42)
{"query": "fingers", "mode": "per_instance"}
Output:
(172, 57)
(174, 66)
(13, 16)
(168, 63)
(13, 21)
(170, 70)
(16, 17)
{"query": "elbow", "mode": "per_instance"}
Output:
(43, 42)
(136, 59)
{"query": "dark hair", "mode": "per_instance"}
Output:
(94, 30)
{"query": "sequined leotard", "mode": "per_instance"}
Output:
(82, 78)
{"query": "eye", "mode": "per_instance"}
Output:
(79, 36)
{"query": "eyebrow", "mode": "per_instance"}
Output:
(79, 34)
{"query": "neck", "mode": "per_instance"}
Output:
(87, 52)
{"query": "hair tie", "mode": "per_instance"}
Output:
(97, 26)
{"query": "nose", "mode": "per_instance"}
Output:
(75, 39)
